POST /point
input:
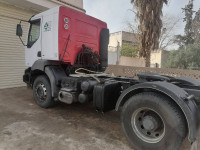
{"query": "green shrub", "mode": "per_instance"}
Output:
(185, 58)
(129, 51)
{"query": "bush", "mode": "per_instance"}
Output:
(129, 51)
(185, 58)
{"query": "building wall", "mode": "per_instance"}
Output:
(159, 57)
(115, 38)
(42, 5)
(77, 3)
(45, 3)
(12, 52)
(124, 61)
(12, 57)
(156, 59)
(130, 38)
(122, 37)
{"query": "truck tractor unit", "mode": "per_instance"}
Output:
(66, 55)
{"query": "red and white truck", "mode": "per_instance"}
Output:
(66, 55)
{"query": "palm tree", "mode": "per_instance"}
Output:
(149, 13)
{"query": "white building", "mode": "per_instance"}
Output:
(121, 37)
(116, 40)
(12, 61)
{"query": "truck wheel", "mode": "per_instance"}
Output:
(42, 92)
(153, 121)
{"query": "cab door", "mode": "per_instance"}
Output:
(33, 49)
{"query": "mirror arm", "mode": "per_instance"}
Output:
(19, 36)
(23, 21)
(22, 41)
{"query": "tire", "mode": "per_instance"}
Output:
(153, 121)
(42, 92)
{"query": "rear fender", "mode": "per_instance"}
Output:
(178, 95)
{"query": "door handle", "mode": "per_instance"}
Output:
(39, 54)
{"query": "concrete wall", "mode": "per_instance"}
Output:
(112, 58)
(132, 71)
(159, 57)
(156, 59)
(125, 61)
(129, 61)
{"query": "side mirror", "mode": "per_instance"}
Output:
(19, 30)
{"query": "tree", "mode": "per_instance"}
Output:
(132, 27)
(168, 31)
(170, 24)
(129, 51)
(185, 58)
(188, 38)
(196, 27)
(149, 13)
(188, 19)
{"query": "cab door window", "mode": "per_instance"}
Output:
(34, 32)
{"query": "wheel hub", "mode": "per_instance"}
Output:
(41, 91)
(148, 125)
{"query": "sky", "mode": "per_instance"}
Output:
(117, 12)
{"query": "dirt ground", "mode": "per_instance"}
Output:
(25, 126)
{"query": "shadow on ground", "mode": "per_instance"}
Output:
(25, 126)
